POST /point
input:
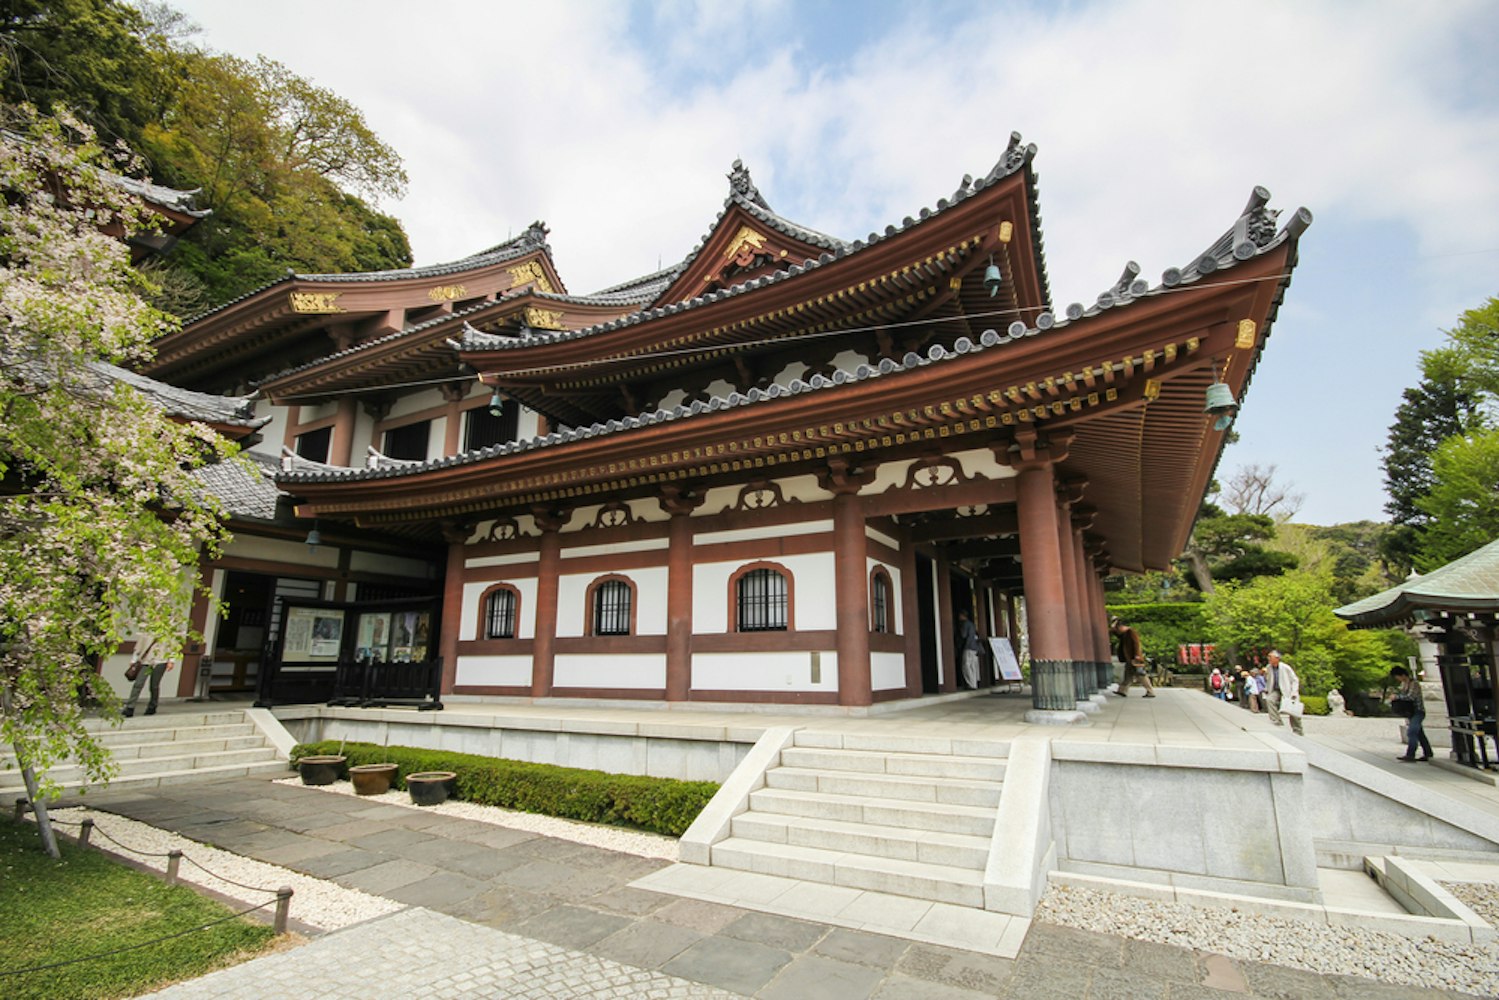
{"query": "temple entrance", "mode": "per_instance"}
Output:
(926, 617)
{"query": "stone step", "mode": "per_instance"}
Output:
(939, 883)
(949, 791)
(883, 742)
(172, 720)
(68, 774)
(975, 821)
(12, 788)
(178, 748)
(153, 731)
(952, 849)
(930, 765)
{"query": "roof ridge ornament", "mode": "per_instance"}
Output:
(534, 235)
(742, 185)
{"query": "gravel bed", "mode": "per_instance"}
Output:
(324, 905)
(1480, 897)
(1317, 948)
(610, 838)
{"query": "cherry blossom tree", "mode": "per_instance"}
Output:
(101, 516)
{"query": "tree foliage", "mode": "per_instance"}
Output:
(1293, 613)
(285, 166)
(1453, 402)
(101, 516)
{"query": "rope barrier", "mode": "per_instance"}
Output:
(174, 857)
(136, 947)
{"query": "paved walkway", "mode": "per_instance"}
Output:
(539, 917)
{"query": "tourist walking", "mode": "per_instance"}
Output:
(1132, 655)
(1283, 689)
(146, 665)
(1415, 725)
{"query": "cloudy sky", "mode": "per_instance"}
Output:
(615, 123)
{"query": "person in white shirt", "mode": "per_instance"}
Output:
(1283, 686)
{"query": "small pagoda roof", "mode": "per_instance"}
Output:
(160, 196)
(246, 486)
(1469, 585)
(236, 412)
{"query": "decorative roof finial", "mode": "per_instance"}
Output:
(535, 234)
(741, 184)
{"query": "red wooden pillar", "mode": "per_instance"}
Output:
(910, 618)
(851, 585)
(549, 564)
(680, 504)
(456, 535)
(946, 644)
(1041, 562)
(187, 677)
(1069, 580)
(341, 448)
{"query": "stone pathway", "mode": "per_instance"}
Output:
(538, 917)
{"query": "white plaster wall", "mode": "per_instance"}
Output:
(643, 545)
(316, 411)
(273, 433)
(886, 671)
(764, 671)
(640, 510)
(794, 488)
(896, 609)
(672, 399)
(415, 402)
(282, 550)
(755, 534)
(511, 559)
(977, 463)
(525, 628)
(506, 671)
(382, 562)
(211, 627)
(650, 597)
(527, 424)
(812, 593)
(623, 670)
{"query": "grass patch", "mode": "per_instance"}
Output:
(657, 805)
(55, 911)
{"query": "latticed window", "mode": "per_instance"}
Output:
(762, 601)
(879, 602)
(499, 615)
(611, 608)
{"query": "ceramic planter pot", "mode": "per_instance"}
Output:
(430, 788)
(321, 769)
(372, 779)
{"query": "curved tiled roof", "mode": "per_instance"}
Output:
(1470, 583)
(245, 492)
(173, 198)
(237, 411)
(1016, 158)
(1224, 254)
(529, 241)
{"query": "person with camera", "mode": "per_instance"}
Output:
(1409, 702)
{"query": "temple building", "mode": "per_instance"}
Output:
(775, 471)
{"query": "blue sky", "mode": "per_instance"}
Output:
(615, 123)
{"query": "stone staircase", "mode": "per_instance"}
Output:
(889, 816)
(167, 748)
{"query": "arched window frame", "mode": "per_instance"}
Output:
(590, 617)
(734, 603)
(484, 609)
(881, 612)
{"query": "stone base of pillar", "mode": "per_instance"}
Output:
(1053, 686)
(1099, 698)
(1052, 717)
(1090, 706)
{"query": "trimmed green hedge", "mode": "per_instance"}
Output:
(1165, 627)
(659, 805)
(1315, 704)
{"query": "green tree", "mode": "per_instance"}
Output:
(1463, 503)
(1456, 396)
(1229, 547)
(101, 517)
(90, 55)
(285, 166)
(1293, 613)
